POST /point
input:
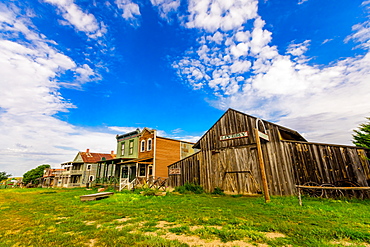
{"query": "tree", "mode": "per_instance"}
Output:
(4, 176)
(32, 175)
(362, 135)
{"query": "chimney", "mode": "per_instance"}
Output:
(87, 150)
(112, 152)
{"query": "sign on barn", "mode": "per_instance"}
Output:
(263, 136)
(234, 136)
(174, 171)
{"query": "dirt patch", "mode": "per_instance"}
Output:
(166, 225)
(196, 241)
(89, 223)
(346, 243)
(193, 228)
(193, 240)
(91, 242)
(274, 235)
(123, 219)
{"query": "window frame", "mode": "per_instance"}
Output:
(149, 145)
(142, 167)
(131, 147)
(142, 146)
(123, 148)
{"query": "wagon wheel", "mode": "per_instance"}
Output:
(312, 192)
(350, 193)
(334, 193)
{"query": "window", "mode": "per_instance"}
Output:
(142, 170)
(131, 147)
(149, 146)
(91, 178)
(142, 146)
(88, 167)
(123, 149)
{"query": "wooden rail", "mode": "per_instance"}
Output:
(326, 188)
(332, 188)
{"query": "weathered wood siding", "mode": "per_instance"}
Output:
(232, 165)
(327, 164)
(167, 152)
(189, 171)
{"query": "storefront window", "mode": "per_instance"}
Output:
(142, 170)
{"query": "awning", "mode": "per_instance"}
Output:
(147, 160)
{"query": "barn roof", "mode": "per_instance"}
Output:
(295, 134)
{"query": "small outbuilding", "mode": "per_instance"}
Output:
(228, 159)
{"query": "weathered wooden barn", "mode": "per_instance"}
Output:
(228, 160)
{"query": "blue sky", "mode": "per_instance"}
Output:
(74, 73)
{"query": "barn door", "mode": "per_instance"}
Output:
(239, 168)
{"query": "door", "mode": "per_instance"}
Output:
(132, 174)
(240, 170)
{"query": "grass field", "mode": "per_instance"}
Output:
(57, 217)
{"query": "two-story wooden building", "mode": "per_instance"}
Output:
(142, 156)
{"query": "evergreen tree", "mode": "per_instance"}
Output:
(32, 175)
(362, 135)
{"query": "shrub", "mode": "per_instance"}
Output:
(218, 191)
(189, 187)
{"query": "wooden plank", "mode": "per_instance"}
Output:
(93, 197)
(262, 169)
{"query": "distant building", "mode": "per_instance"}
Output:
(51, 175)
(82, 170)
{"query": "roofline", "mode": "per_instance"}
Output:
(174, 139)
(196, 153)
(129, 134)
(328, 144)
(196, 145)
(122, 158)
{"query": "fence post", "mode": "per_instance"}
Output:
(262, 167)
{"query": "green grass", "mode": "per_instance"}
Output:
(57, 217)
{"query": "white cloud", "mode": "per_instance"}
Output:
(82, 21)
(224, 15)
(302, 1)
(131, 11)
(362, 30)
(298, 49)
(166, 7)
(30, 98)
(245, 72)
(122, 130)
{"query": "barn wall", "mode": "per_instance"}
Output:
(189, 171)
(327, 164)
(232, 165)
